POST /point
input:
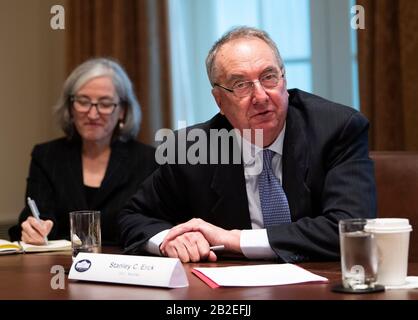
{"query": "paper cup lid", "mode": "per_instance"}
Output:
(387, 225)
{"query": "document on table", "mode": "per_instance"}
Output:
(258, 275)
(7, 247)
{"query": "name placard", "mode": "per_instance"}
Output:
(137, 270)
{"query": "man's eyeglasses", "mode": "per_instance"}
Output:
(245, 88)
(103, 106)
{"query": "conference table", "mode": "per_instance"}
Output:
(28, 277)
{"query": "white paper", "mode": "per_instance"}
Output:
(411, 282)
(137, 270)
(53, 245)
(260, 275)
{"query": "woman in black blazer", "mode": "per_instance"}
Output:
(98, 165)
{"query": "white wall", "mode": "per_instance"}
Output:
(32, 67)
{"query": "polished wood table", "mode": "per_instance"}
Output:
(28, 277)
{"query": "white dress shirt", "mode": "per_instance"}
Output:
(254, 242)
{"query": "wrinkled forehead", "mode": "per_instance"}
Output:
(244, 54)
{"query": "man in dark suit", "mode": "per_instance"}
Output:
(315, 169)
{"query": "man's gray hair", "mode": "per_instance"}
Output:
(238, 33)
(93, 68)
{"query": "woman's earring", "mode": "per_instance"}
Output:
(121, 125)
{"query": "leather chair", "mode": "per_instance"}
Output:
(397, 190)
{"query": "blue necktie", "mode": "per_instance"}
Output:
(274, 205)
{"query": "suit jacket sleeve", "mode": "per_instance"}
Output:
(347, 191)
(40, 189)
(152, 209)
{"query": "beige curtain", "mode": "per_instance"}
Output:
(388, 72)
(134, 32)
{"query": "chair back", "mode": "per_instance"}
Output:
(397, 190)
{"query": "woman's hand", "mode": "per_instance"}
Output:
(34, 231)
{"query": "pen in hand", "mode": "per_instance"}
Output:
(217, 248)
(35, 213)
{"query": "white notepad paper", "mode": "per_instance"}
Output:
(259, 275)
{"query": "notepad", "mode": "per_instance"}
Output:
(7, 247)
(257, 275)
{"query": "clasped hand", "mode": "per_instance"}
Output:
(190, 241)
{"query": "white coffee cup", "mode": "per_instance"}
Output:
(392, 239)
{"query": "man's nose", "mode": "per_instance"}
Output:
(259, 93)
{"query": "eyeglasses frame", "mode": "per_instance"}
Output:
(73, 99)
(253, 82)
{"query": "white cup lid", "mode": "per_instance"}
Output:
(388, 225)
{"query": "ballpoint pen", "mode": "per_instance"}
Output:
(217, 248)
(35, 213)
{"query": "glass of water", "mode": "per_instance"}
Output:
(359, 255)
(85, 232)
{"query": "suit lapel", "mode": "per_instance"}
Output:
(229, 182)
(75, 177)
(116, 173)
(295, 165)
(231, 209)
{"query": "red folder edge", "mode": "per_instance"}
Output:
(205, 279)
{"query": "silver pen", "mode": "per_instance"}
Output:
(217, 248)
(35, 213)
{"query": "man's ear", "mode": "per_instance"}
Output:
(217, 95)
(285, 87)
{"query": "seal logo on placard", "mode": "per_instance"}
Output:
(83, 265)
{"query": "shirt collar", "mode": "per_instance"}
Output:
(250, 151)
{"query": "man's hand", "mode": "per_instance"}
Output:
(34, 231)
(211, 233)
(188, 247)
